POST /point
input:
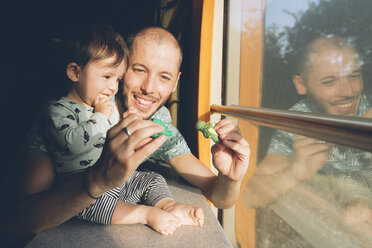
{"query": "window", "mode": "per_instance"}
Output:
(311, 57)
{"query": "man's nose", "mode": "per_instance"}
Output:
(148, 84)
(346, 87)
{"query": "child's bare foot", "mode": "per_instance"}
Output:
(162, 221)
(188, 215)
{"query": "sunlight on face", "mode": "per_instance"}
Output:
(97, 79)
(152, 75)
(334, 80)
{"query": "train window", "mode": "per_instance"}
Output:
(314, 57)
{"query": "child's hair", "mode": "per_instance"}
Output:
(95, 42)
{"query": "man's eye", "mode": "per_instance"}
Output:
(165, 78)
(328, 82)
(355, 76)
(138, 70)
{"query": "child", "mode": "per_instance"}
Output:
(76, 131)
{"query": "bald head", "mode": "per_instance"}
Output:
(316, 48)
(160, 36)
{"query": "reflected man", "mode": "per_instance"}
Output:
(329, 74)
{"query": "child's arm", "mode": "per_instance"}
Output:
(76, 137)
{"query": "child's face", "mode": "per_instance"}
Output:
(99, 78)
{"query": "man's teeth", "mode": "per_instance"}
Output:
(144, 101)
(346, 105)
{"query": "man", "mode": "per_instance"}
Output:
(329, 74)
(152, 75)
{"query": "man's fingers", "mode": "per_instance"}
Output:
(224, 122)
(138, 138)
(225, 127)
(238, 148)
(143, 152)
(115, 130)
(143, 143)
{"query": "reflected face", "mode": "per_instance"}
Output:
(333, 80)
(152, 75)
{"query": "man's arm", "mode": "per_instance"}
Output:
(230, 157)
(220, 190)
(272, 178)
(46, 204)
(276, 174)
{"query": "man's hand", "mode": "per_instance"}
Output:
(368, 114)
(123, 154)
(231, 155)
(357, 210)
(309, 155)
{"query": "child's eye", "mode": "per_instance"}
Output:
(138, 70)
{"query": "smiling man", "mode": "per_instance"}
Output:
(331, 78)
(329, 74)
(152, 75)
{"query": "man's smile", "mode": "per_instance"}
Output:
(345, 107)
(143, 103)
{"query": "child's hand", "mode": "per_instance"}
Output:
(104, 106)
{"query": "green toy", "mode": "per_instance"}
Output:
(165, 132)
(207, 130)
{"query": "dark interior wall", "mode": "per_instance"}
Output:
(28, 70)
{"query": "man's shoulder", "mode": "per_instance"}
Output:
(301, 106)
(163, 114)
(364, 104)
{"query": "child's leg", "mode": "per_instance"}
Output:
(160, 220)
(133, 191)
(157, 194)
(145, 187)
(188, 215)
(151, 189)
(101, 210)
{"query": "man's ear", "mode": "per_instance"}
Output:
(176, 84)
(299, 84)
(73, 71)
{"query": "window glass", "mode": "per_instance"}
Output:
(316, 58)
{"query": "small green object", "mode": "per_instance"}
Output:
(208, 130)
(165, 132)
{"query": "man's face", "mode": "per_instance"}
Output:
(152, 75)
(334, 81)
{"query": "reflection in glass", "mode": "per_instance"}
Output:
(317, 56)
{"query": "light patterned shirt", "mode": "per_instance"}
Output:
(175, 145)
(75, 134)
(352, 166)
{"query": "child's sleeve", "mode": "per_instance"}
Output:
(68, 132)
